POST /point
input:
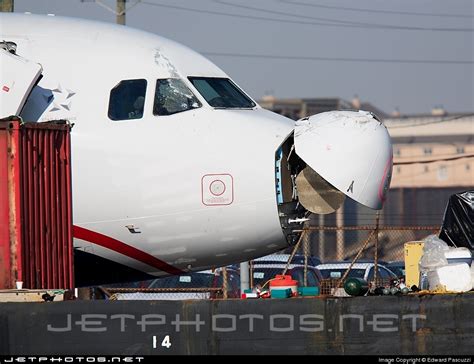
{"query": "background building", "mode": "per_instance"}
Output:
(299, 108)
(433, 158)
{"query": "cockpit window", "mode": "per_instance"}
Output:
(221, 93)
(173, 96)
(127, 100)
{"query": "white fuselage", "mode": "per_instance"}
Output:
(152, 175)
(174, 167)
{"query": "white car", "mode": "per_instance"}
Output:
(283, 259)
(336, 270)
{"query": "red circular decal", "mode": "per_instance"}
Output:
(217, 187)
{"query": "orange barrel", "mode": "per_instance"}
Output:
(284, 282)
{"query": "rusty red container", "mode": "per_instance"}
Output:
(35, 205)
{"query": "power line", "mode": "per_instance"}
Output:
(376, 11)
(213, 12)
(328, 23)
(413, 175)
(338, 21)
(434, 160)
(338, 59)
(443, 155)
(431, 122)
(390, 214)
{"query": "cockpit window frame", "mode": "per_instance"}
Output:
(251, 103)
(159, 102)
(117, 108)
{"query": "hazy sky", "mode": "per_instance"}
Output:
(318, 48)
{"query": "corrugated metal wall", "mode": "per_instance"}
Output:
(5, 272)
(39, 174)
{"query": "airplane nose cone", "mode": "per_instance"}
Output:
(351, 150)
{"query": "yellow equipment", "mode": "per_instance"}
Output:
(413, 254)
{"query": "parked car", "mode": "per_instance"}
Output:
(213, 279)
(283, 258)
(262, 274)
(181, 287)
(397, 267)
(267, 267)
(333, 272)
(336, 270)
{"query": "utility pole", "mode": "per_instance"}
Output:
(121, 12)
(244, 276)
(340, 245)
(322, 242)
(6, 6)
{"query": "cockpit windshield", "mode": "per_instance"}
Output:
(221, 93)
(173, 96)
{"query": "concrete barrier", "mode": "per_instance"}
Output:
(362, 325)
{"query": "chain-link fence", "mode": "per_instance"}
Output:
(331, 243)
(335, 254)
(220, 283)
(325, 256)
